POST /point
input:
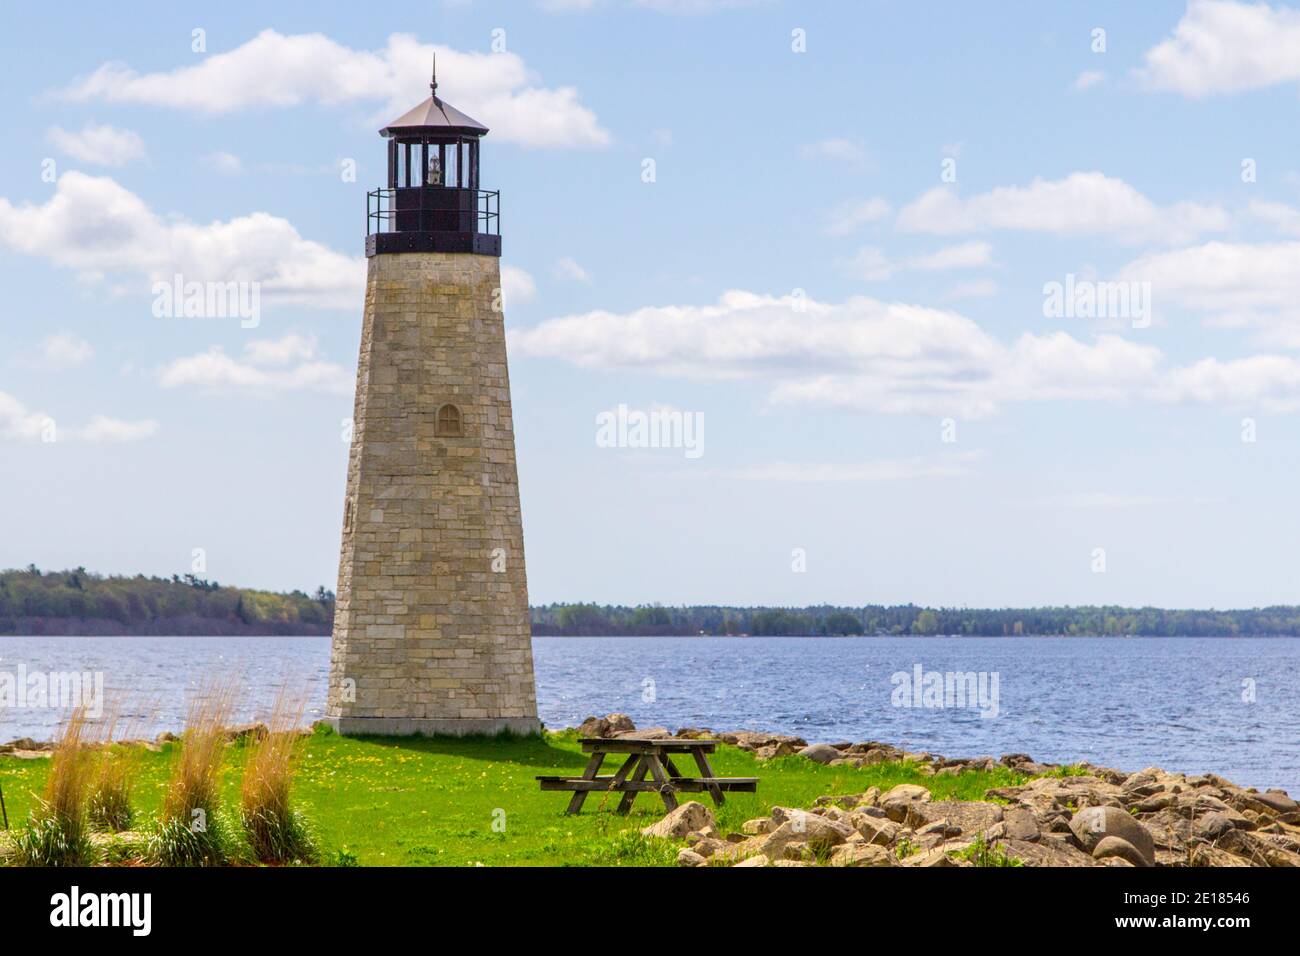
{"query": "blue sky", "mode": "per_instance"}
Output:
(840, 262)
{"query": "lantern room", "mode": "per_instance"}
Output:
(433, 202)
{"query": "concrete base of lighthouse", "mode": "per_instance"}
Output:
(431, 627)
(414, 726)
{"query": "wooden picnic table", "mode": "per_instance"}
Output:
(647, 758)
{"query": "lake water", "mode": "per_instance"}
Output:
(1230, 706)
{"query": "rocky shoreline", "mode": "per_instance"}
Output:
(1076, 815)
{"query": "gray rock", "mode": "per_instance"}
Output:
(862, 854)
(1114, 846)
(898, 802)
(1092, 824)
(1021, 825)
(820, 753)
(690, 817)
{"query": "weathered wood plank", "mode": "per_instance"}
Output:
(626, 745)
(688, 784)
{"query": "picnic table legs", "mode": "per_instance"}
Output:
(665, 787)
(642, 768)
(649, 765)
(593, 767)
(706, 772)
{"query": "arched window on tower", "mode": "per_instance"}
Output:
(449, 423)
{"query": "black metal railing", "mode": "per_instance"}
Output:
(427, 211)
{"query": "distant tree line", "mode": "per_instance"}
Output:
(906, 619)
(79, 602)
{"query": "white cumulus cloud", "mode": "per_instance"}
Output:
(274, 70)
(1224, 47)
(290, 363)
(872, 356)
(94, 225)
(1254, 285)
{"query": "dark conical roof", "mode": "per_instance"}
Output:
(434, 116)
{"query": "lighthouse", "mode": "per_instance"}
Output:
(431, 626)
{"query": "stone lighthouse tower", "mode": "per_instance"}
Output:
(431, 631)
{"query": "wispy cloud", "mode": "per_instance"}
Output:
(839, 149)
(849, 217)
(65, 350)
(98, 145)
(21, 424)
(871, 263)
(566, 268)
(955, 465)
(1081, 204)
(1087, 80)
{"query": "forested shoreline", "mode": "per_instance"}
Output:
(81, 602)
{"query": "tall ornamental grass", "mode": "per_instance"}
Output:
(57, 832)
(192, 830)
(276, 831)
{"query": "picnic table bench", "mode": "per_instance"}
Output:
(647, 758)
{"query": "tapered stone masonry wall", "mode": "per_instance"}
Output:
(431, 628)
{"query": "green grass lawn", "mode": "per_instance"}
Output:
(414, 801)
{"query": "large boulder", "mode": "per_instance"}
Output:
(645, 733)
(862, 854)
(1093, 824)
(248, 732)
(1262, 849)
(1204, 854)
(820, 753)
(690, 817)
(611, 725)
(960, 815)
(1020, 825)
(620, 723)
(687, 857)
(782, 748)
(900, 800)
(874, 828)
(802, 832)
(1046, 852)
(1271, 803)
(1113, 846)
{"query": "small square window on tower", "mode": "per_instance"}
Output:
(449, 423)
